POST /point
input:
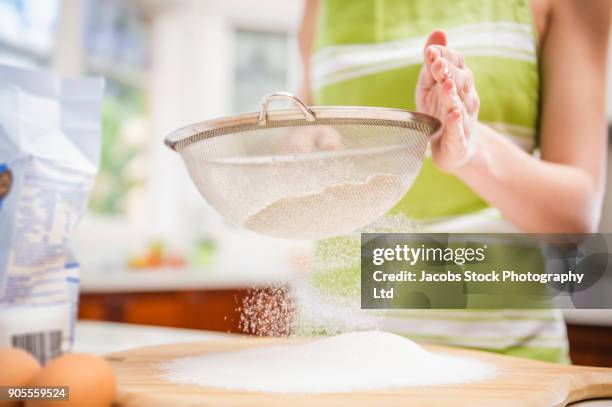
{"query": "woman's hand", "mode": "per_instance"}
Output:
(308, 139)
(446, 90)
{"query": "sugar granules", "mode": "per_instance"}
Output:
(356, 361)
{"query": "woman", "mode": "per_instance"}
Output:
(505, 78)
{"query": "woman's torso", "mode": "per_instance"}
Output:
(369, 53)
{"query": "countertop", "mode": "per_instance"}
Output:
(598, 317)
(179, 279)
(106, 337)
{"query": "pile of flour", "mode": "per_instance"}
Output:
(336, 210)
(368, 360)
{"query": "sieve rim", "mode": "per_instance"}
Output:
(326, 115)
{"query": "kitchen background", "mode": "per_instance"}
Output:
(151, 250)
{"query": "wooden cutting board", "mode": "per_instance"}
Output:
(518, 382)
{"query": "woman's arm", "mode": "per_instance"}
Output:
(311, 138)
(305, 40)
(563, 191)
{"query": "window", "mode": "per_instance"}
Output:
(115, 47)
(27, 31)
(261, 62)
(123, 161)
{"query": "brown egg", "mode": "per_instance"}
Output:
(90, 380)
(18, 369)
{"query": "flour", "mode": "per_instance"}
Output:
(328, 300)
(319, 312)
(367, 360)
(336, 210)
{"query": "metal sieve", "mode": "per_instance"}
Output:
(306, 172)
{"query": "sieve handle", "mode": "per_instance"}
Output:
(265, 101)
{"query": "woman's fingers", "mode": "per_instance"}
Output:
(435, 41)
(310, 139)
(436, 38)
(454, 133)
(328, 139)
(442, 69)
(471, 101)
(457, 106)
(450, 98)
(455, 57)
(452, 106)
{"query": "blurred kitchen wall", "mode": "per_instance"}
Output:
(167, 63)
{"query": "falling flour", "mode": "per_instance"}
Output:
(367, 360)
(301, 308)
(336, 210)
(268, 311)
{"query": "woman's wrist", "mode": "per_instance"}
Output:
(477, 161)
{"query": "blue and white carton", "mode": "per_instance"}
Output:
(49, 156)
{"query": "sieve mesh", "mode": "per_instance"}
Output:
(305, 179)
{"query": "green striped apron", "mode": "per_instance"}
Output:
(369, 53)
